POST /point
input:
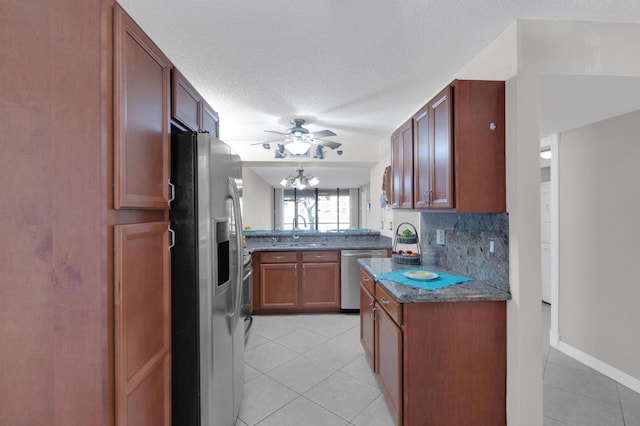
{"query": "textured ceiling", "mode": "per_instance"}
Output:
(357, 67)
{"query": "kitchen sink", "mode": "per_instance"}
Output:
(301, 245)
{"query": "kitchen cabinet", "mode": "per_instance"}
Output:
(210, 120)
(402, 166)
(458, 151)
(437, 363)
(367, 323)
(186, 102)
(141, 118)
(320, 281)
(432, 150)
(142, 265)
(278, 275)
(296, 281)
(189, 110)
(142, 324)
(388, 360)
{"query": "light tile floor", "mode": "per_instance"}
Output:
(310, 370)
(576, 395)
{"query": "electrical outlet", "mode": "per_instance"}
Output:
(382, 224)
(492, 246)
(390, 226)
(440, 236)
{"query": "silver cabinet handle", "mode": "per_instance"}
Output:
(173, 238)
(173, 191)
(278, 257)
(382, 299)
(319, 257)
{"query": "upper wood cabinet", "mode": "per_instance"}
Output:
(402, 166)
(478, 145)
(432, 151)
(210, 120)
(141, 118)
(186, 102)
(188, 107)
(458, 152)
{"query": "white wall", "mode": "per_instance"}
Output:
(599, 250)
(257, 201)
(544, 48)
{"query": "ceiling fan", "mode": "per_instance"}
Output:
(298, 140)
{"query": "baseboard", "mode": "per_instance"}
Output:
(602, 367)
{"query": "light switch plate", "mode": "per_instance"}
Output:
(440, 236)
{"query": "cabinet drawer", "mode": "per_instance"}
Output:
(320, 256)
(393, 308)
(367, 281)
(278, 256)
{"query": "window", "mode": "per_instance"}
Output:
(318, 209)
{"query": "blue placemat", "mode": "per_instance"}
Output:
(443, 280)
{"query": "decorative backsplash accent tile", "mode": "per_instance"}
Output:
(467, 238)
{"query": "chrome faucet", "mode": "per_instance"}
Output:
(293, 226)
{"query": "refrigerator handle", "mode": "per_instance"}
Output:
(236, 290)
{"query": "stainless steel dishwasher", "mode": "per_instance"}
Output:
(350, 277)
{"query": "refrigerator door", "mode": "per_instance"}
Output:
(217, 366)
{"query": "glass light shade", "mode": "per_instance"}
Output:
(298, 147)
(314, 181)
(283, 182)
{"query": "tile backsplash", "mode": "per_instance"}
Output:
(467, 238)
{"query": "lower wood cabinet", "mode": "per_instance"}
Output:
(388, 360)
(367, 323)
(142, 333)
(439, 363)
(296, 281)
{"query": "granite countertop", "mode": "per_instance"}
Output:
(476, 290)
(315, 240)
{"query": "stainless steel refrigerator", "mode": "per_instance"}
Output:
(207, 275)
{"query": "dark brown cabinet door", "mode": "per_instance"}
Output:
(320, 285)
(422, 156)
(210, 119)
(142, 334)
(388, 360)
(186, 102)
(479, 141)
(402, 166)
(367, 331)
(441, 149)
(279, 285)
(141, 118)
(433, 154)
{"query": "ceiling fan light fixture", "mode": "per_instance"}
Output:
(298, 147)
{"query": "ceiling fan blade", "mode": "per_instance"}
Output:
(271, 141)
(276, 132)
(321, 134)
(328, 144)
